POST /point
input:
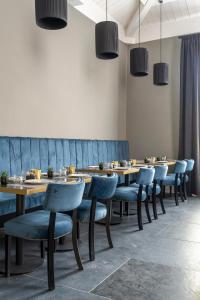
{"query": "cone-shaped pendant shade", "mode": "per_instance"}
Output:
(51, 14)
(139, 62)
(160, 74)
(107, 41)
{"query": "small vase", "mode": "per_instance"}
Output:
(50, 174)
(4, 181)
(123, 163)
(100, 166)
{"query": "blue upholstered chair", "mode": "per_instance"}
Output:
(156, 188)
(48, 224)
(186, 178)
(176, 179)
(138, 194)
(98, 207)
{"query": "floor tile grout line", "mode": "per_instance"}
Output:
(65, 286)
(110, 274)
(182, 240)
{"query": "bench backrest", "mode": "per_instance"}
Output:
(18, 153)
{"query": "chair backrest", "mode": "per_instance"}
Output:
(103, 187)
(180, 167)
(64, 197)
(190, 165)
(145, 176)
(160, 172)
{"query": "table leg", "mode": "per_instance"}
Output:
(127, 180)
(20, 210)
(127, 210)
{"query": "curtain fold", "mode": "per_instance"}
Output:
(189, 143)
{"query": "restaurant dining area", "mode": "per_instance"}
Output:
(100, 150)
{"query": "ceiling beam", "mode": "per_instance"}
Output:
(145, 8)
(96, 14)
(133, 24)
(182, 26)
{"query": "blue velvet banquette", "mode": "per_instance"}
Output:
(19, 154)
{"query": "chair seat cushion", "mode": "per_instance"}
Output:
(170, 180)
(35, 225)
(150, 190)
(8, 202)
(83, 211)
(128, 194)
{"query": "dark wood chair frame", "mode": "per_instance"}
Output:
(91, 231)
(50, 248)
(139, 207)
(178, 189)
(186, 187)
(154, 198)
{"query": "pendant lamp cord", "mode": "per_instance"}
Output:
(106, 10)
(139, 23)
(161, 30)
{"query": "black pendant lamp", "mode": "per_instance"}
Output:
(139, 58)
(106, 38)
(51, 14)
(161, 70)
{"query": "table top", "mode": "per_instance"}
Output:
(111, 171)
(127, 171)
(28, 189)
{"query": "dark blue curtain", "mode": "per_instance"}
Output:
(189, 145)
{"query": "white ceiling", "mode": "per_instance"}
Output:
(121, 10)
(179, 16)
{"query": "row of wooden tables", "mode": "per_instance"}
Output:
(27, 264)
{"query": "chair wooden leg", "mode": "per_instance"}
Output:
(75, 246)
(182, 193)
(164, 193)
(42, 249)
(91, 241)
(62, 240)
(155, 214)
(91, 229)
(50, 264)
(176, 195)
(161, 201)
(7, 255)
(78, 230)
(146, 202)
(127, 208)
(139, 215)
(108, 217)
(121, 209)
(185, 190)
(170, 193)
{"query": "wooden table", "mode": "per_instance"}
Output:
(124, 172)
(25, 264)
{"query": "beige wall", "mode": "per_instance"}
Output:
(52, 85)
(152, 111)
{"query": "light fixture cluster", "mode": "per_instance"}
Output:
(52, 15)
(139, 65)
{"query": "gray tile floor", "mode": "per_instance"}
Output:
(162, 262)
